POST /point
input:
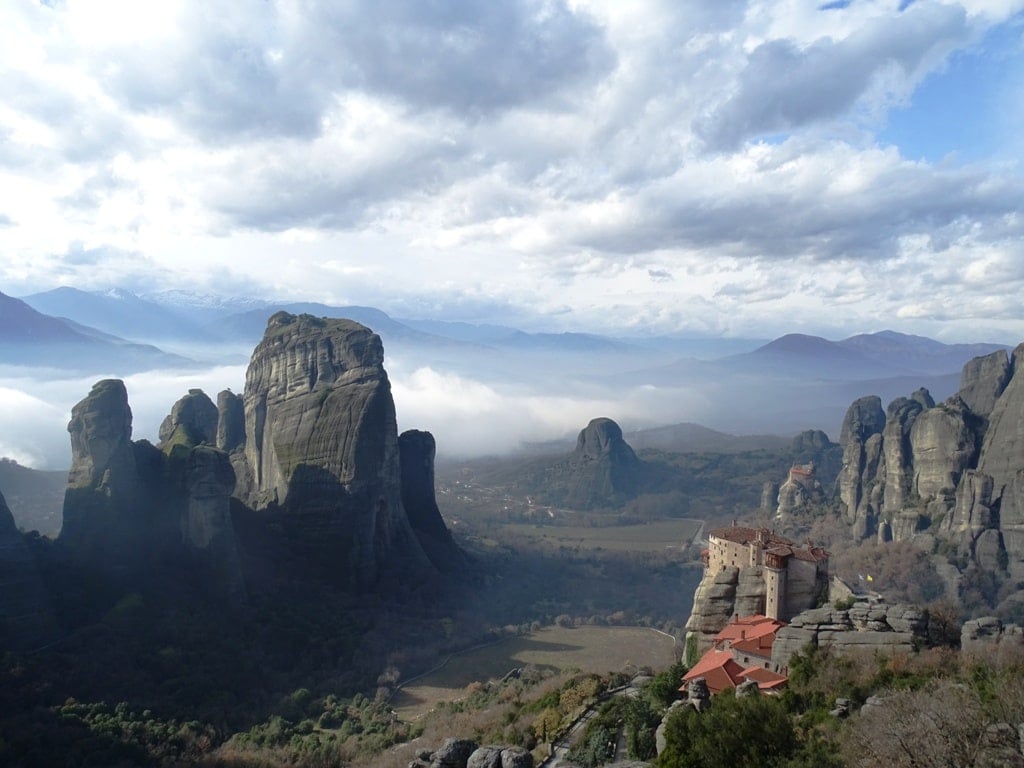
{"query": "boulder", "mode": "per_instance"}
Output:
(454, 753)
(516, 757)
(485, 757)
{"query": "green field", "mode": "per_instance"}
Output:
(587, 648)
(658, 536)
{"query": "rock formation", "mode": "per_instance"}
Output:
(464, 753)
(103, 520)
(988, 638)
(605, 467)
(955, 470)
(416, 451)
(193, 420)
(865, 626)
(321, 443)
(800, 489)
(307, 464)
(129, 504)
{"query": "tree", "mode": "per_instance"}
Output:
(748, 732)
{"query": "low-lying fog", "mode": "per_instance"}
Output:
(481, 404)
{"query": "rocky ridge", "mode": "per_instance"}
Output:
(309, 456)
(953, 470)
(872, 627)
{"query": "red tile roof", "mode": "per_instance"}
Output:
(719, 670)
(775, 544)
(766, 679)
(750, 634)
(740, 534)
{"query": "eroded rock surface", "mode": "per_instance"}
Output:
(321, 442)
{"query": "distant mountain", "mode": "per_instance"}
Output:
(249, 326)
(688, 437)
(924, 355)
(882, 355)
(117, 312)
(800, 355)
(29, 337)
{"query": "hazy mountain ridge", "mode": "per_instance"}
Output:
(31, 338)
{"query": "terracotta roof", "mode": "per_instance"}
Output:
(750, 634)
(740, 534)
(775, 544)
(765, 678)
(809, 554)
(719, 670)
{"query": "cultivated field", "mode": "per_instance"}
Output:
(658, 536)
(587, 648)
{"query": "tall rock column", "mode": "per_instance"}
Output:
(102, 521)
(860, 437)
(321, 441)
(1002, 459)
(417, 449)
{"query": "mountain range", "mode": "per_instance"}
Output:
(736, 386)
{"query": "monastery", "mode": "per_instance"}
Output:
(794, 576)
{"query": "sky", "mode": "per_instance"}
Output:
(680, 167)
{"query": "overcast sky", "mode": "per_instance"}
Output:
(687, 166)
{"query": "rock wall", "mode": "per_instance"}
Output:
(955, 469)
(130, 505)
(307, 464)
(871, 627)
(321, 443)
(416, 452)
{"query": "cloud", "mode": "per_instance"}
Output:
(784, 86)
(35, 407)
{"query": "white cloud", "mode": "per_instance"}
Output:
(557, 157)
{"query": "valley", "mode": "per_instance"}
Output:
(300, 582)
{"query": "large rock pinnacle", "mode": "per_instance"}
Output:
(100, 512)
(417, 450)
(321, 441)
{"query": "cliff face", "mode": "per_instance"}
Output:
(321, 443)
(955, 469)
(417, 450)
(103, 521)
(130, 505)
(307, 463)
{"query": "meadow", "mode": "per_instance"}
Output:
(657, 536)
(556, 649)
